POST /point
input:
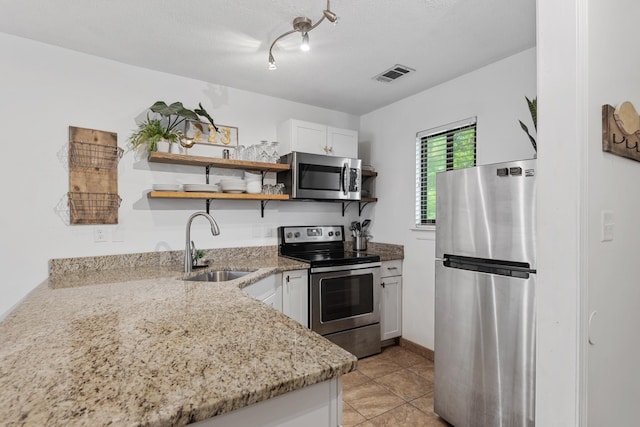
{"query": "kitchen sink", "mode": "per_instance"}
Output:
(218, 276)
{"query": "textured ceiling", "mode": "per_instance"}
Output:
(227, 41)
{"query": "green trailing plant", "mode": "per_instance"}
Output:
(166, 127)
(149, 133)
(533, 109)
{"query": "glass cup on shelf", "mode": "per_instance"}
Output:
(250, 153)
(238, 153)
(272, 152)
(262, 152)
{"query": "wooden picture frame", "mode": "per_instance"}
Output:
(204, 133)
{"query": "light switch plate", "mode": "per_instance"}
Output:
(608, 223)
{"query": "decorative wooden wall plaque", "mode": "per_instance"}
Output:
(93, 176)
(620, 132)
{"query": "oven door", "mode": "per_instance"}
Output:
(344, 299)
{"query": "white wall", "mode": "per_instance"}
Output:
(583, 64)
(560, 200)
(45, 89)
(613, 281)
(495, 94)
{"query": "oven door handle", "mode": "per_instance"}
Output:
(349, 267)
(345, 184)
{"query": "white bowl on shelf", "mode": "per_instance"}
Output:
(252, 176)
(233, 185)
(166, 187)
(254, 187)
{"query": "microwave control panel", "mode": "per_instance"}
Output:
(354, 180)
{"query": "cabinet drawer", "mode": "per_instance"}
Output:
(391, 268)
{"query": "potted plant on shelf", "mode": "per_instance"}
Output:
(165, 127)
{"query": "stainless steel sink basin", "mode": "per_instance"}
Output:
(218, 276)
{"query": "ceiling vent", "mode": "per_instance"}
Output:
(393, 73)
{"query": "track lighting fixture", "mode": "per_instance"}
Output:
(303, 25)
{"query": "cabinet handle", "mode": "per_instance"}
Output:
(382, 284)
(392, 268)
(293, 277)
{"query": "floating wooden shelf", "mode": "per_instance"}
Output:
(209, 195)
(184, 159)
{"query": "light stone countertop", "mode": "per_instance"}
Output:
(137, 346)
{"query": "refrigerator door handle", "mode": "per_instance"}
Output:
(503, 268)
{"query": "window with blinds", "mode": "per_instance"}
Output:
(448, 147)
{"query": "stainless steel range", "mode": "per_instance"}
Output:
(344, 300)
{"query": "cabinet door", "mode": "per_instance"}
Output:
(295, 296)
(297, 135)
(391, 313)
(273, 300)
(342, 142)
(267, 290)
(309, 137)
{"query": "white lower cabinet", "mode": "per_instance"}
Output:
(391, 301)
(287, 292)
(295, 295)
(317, 405)
(267, 290)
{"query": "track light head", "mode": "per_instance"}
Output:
(332, 17)
(304, 46)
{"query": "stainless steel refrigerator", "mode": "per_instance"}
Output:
(485, 295)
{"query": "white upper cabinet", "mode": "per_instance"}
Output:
(307, 137)
(342, 142)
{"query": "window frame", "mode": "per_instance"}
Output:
(446, 130)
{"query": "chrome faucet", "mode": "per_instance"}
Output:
(188, 260)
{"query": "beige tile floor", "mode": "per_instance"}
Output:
(393, 388)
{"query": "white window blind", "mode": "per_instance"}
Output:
(448, 147)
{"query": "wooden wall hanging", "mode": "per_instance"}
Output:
(93, 176)
(621, 130)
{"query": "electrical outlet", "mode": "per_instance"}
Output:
(100, 235)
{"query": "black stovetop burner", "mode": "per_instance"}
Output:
(321, 246)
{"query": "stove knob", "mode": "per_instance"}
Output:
(289, 235)
(297, 234)
(330, 233)
(337, 234)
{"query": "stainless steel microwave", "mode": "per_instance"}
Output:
(315, 176)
